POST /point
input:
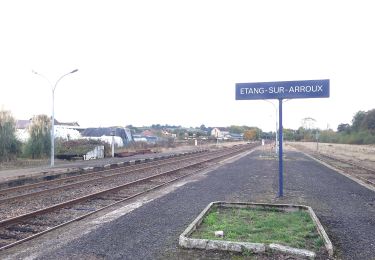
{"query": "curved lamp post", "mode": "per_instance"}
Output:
(53, 88)
(276, 123)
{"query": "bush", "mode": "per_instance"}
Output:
(363, 137)
(10, 147)
(79, 147)
(39, 143)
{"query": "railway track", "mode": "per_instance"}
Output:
(32, 201)
(363, 173)
(352, 169)
(75, 177)
(21, 226)
(41, 187)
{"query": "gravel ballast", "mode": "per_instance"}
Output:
(345, 209)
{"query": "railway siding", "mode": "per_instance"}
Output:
(344, 161)
(363, 155)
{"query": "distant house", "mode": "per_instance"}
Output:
(139, 138)
(146, 136)
(167, 133)
(147, 133)
(236, 137)
(67, 131)
(23, 124)
(22, 131)
(225, 135)
(152, 139)
(121, 135)
(217, 133)
(72, 124)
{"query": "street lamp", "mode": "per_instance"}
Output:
(53, 88)
(113, 133)
(276, 122)
(276, 112)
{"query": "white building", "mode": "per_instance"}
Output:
(217, 133)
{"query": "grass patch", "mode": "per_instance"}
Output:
(295, 229)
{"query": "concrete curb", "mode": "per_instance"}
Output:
(187, 242)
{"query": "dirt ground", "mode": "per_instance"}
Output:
(361, 154)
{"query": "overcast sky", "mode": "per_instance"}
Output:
(177, 62)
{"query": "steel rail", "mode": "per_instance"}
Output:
(349, 163)
(11, 220)
(62, 205)
(66, 179)
(147, 167)
(354, 166)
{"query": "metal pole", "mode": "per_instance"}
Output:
(275, 122)
(113, 146)
(276, 131)
(53, 129)
(53, 112)
(280, 147)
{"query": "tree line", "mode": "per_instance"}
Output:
(37, 146)
(360, 131)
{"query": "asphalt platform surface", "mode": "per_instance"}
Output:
(345, 209)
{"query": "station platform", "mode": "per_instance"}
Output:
(149, 227)
(63, 167)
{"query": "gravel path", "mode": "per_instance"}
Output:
(345, 209)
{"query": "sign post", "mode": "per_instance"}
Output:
(281, 167)
(282, 90)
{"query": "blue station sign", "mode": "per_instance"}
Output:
(283, 90)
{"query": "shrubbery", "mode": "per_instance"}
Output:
(362, 137)
(39, 143)
(361, 131)
(79, 147)
(10, 147)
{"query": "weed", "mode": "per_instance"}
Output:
(294, 229)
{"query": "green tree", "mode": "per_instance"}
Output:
(10, 147)
(299, 134)
(343, 128)
(39, 143)
(180, 133)
(368, 122)
(250, 134)
(235, 129)
(203, 128)
(329, 136)
(289, 134)
(357, 120)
